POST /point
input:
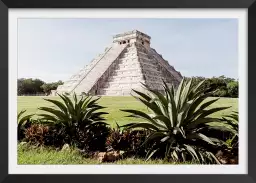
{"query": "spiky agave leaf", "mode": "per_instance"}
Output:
(81, 111)
(20, 113)
(179, 118)
(23, 122)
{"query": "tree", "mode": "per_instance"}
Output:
(233, 89)
(224, 86)
(47, 87)
(29, 86)
(35, 86)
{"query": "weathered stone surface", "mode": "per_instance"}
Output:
(127, 63)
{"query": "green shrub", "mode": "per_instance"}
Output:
(233, 141)
(23, 123)
(36, 134)
(221, 93)
(177, 123)
(227, 87)
(93, 139)
(43, 134)
(129, 141)
(76, 121)
(232, 88)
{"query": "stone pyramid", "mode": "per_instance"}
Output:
(127, 63)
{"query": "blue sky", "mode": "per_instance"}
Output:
(55, 49)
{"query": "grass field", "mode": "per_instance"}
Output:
(114, 104)
(47, 156)
(30, 155)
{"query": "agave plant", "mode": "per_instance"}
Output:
(232, 121)
(178, 121)
(23, 123)
(73, 115)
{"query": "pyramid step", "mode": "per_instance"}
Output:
(116, 77)
(147, 61)
(127, 72)
(124, 58)
(124, 67)
(131, 49)
(129, 63)
(122, 85)
(97, 71)
(129, 54)
(114, 92)
(137, 76)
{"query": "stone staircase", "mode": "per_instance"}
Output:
(95, 72)
(75, 79)
(127, 74)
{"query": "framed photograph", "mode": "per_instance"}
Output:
(131, 91)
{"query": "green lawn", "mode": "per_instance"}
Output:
(114, 104)
(46, 156)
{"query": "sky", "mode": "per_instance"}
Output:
(55, 49)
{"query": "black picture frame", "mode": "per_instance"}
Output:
(6, 4)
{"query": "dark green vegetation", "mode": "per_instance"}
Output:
(224, 87)
(78, 121)
(36, 86)
(177, 127)
(232, 140)
(24, 122)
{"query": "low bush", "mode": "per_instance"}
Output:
(129, 141)
(37, 134)
(92, 139)
(76, 121)
(233, 140)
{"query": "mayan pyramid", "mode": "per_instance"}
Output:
(127, 63)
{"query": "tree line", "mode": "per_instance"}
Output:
(226, 87)
(31, 86)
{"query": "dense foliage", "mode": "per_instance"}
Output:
(129, 141)
(23, 123)
(225, 87)
(37, 134)
(76, 119)
(36, 86)
(179, 121)
(29, 86)
(47, 87)
(233, 140)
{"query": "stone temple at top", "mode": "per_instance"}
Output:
(123, 66)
